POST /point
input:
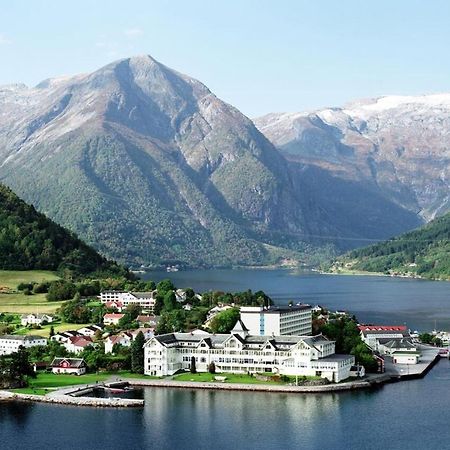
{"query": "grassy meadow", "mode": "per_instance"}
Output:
(15, 302)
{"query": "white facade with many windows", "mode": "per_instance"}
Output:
(10, 343)
(277, 320)
(146, 300)
(240, 352)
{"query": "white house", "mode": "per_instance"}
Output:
(277, 320)
(240, 352)
(64, 336)
(76, 344)
(112, 318)
(125, 338)
(35, 319)
(73, 366)
(146, 300)
(90, 330)
(10, 343)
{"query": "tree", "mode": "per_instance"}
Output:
(193, 367)
(129, 319)
(61, 290)
(52, 331)
(224, 321)
(212, 367)
(165, 286)
(137, 353)
(170, 301)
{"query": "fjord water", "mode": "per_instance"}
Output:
(410, 414)
(421, 304)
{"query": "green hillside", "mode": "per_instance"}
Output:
(424, 252)
(29, 240)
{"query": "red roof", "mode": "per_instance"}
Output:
(113, 304)
(80, 341)
(382, 327)
(113, 316)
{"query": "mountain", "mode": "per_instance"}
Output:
(28, 240)
(395, 146)
(150, 167)
(424, 252)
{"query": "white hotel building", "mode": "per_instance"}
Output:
(10, 343)
(146, 300)
(277, 320)
(240, 352)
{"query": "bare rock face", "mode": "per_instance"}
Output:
(396, 145)
(149, 166)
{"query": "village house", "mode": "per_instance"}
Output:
(147, 321)
(64, 336)
(35, 319)
(90, 330)
(240, 352)
(115, 305)
(76, 344)
(10, 343)
(112, 318)
(73, 366)
(125, 338)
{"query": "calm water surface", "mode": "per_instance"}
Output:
(412, 415)
(385, 300)
(406, 415)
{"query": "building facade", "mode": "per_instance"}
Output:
(10, 343)
(277, 320)
(73, 366)
(240, 352)
(35, 319)
(146, 300)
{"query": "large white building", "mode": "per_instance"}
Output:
(240, 352)
(277, 320)
(10, 343)
(146, 300)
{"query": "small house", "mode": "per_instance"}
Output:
(73, 366)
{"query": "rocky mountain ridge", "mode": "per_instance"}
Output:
(398, 146)
(150, 167)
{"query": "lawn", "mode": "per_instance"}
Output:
(52, 381)
(16, 301)
(45, 382)
(58, 327)
(231, 378)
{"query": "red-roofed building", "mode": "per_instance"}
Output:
(112, 318)
(73, 366)
(76, 344)
(375, 336)
(382, 327)
(115, 304)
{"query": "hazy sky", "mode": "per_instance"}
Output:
(260, 56)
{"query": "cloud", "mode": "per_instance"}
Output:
(4, 39)
(133, 32)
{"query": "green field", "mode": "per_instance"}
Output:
(15, 301)
(45, 330)
(45, 382)
(231, 378)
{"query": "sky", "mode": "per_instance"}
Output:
(260, 56)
